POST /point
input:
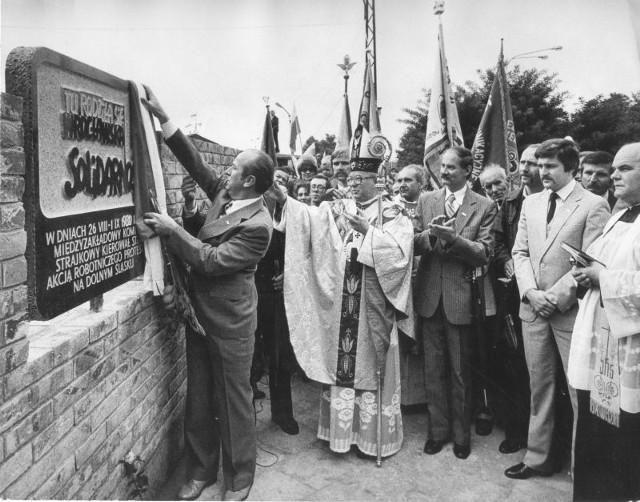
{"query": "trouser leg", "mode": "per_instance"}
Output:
(540, 352)
(458, 350)
(202, 442)
(436, 376)
(233, 403)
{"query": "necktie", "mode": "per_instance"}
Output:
(552, 206)
(450, 206)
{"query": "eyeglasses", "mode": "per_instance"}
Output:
(357, 180)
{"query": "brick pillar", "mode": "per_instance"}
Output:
(14, 346)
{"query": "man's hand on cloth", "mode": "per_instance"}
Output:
(168, 298)
(161, 224)
(278, 282)
(153, 105)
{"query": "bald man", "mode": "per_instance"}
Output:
(222, 249)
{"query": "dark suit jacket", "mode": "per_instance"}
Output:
(224, 255)
(443, 270)
(507, 226)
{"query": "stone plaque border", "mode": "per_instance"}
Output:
(22, 80)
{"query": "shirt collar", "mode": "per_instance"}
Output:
(459, 195)
(564, 192)
(239, 204)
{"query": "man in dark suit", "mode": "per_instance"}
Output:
(275, 127)
(596, 175)
(513, 374)
(563, 212)
(454, 236)
(222, 250)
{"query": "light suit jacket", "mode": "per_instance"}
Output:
(444, 268)
(540, 262)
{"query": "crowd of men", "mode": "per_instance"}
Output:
(480, 278)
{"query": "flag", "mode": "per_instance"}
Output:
(268, 143)
(495, 141)
(149, 182)
(344, 133)
(311, 150)
(368, 119)
(295, 129)
(443, 124)
(368, 114)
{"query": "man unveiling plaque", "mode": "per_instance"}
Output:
(80, 224)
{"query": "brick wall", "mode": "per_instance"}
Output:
(217, 156)
(13, 240)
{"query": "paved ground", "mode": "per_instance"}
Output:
(303, 468)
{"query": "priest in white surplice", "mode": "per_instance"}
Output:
(347, 281)
(604, 363)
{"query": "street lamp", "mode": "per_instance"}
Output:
(285, 110)
(530, 54)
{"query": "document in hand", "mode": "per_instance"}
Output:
(581, 258)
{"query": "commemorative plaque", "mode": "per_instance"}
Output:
(81, 236)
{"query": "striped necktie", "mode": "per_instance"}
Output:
(450, 206)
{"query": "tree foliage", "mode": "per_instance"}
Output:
(601, 123)
(607, 123)
(328, 144)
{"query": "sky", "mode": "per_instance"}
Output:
(219, 58)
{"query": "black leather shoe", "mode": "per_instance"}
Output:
(484, 424)
(192, 489)
(511, 446)
(241, 494)
(287, 424)
(461, 452)
(522, 471)
(433, 446)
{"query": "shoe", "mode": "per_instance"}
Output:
(484, 424)
(522, 471)
(241, 494)
(258, 394)
(433, 446)
(192, 489)
(287, 424)
(511, 446)
(461, 452)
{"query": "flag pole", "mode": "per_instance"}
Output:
(438, 9)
